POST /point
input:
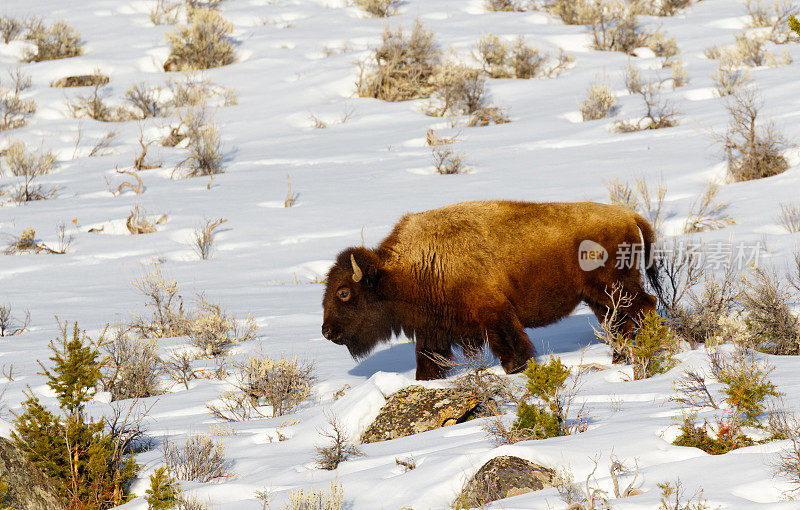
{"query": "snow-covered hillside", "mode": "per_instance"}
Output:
(298, 59)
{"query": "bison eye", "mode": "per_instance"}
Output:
(344, 294)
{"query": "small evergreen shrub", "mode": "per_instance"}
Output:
(164, 491)
(547, 415)
(90, 464)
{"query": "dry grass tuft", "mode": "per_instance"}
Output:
(379, 8)
(789, 217)
(599, 102)
(204, 43)
(752, 152)
(204, 237)
(14, 110)
(138, 222)
(27, 243)
(28, 166)
(200, 459)
(314, 499)
(404, 66)
(55, 42)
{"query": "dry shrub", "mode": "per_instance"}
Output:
(316, 499)
(95, 107)
(505, 5)
(145, 99)
(575, 12)
(673, 497)
(204, 150)
(706, 213)
(447, 161)
(789, 217)
(338, 449)
(590, 496)
(499, 59)
(291, 198)
(57, 41)
(195, 90)
(751, 51)
(261, 381)
(659, 112)
(27, 242)
(166, 12)
(204, 237)
(211, 329)
(665, 7)
(599, 102)
(164, 303)
(680, 76)
(11, 28)
(133, 367)
(487, 116)
(14, 110)
(281, 384)
(432, 138)
(615, 28)
(460, 90)
(28, 166)
(729, 79)
(179, 367)
(202, 44)
(766, 303)
(137, 188)
(752, 152)
(404, 66)
(379, 8)
(775, 16)
(641, 198)
(200, 459)
(10, 325)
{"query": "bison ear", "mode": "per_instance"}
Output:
(365, 266)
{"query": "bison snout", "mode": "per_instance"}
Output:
(326, 332)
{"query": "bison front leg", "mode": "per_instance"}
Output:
(507, 340)
(431, 364)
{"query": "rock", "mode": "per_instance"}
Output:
(503, 477)
(28, 488)
(416, 409)
(83, 80)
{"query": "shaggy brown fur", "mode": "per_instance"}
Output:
(478, 272)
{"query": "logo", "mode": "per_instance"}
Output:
(591, 255)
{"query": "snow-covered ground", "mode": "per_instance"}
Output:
(361, 176)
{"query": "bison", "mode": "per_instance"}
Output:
(480, 272)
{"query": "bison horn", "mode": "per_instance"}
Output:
(357, 274)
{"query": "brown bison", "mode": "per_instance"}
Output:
(478, 272)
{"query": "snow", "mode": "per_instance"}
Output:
(357, 178)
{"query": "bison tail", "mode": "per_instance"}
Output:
(651, 264)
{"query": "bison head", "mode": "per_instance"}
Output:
(355, 313)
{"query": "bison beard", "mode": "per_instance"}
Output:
(480, 272)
